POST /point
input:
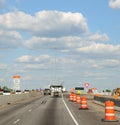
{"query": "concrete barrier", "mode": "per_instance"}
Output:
(103, 99)
(8, 99)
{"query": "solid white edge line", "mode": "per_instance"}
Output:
(76, 123)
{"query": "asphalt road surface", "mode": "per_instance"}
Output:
(52, 111)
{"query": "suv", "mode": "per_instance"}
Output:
(46, 92)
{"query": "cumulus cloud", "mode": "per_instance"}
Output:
(10, 39)
(100, 49)
(50, 29)
(115, 4)
(44, 61)
(63, 43)
(113, 63)
(100, 63)
(35, 59)
(65, 31)
(98, 37)
(37, 66)
(46, 23)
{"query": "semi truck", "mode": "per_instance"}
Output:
(56, 90)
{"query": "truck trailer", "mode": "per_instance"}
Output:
(56, 90)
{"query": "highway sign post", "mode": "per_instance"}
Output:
(16, 81)
(86, 86)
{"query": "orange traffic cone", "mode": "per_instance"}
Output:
(78, 99)
(84, 103)
(109, 112)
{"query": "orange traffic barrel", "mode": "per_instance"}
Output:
(84, 103)
(71, 97)
(74, 98)
(78, 99)
(109, 112)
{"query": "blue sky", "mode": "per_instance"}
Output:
(66, 41)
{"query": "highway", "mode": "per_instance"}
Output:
(49, 110)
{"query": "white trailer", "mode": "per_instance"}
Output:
(56, 90)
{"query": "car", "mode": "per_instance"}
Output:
(26, 91)
(18, 92)
(46, 91)
(6, 92)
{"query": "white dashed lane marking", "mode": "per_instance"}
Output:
(15, 122)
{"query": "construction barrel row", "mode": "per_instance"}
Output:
(109, 106)
(79, 100)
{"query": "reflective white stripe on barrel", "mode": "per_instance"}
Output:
(109, 107)
(109, 114)
(84, 105)
(84, 101)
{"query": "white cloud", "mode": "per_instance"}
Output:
(10, 39)
(36, 66)
(98, 37)
(115, 4)
(43, 59)
(68, 30)
(100, 63)
(46, 23)
(35, 59)
(44, 62)
(63, 43)
(100, 49)
(110, 63)
(65, 61)
(24, 59)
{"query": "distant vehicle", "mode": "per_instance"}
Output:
(26, 91)
(18, 92)
(6, 92)
(47, 91)
(56, 90)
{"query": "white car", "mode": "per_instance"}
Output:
(18, 92)
(6, 92)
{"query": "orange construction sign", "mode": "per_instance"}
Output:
(18, 77)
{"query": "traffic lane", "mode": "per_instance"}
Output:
(92, 116)
(53, 112)
(14, 113)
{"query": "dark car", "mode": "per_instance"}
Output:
(46, 92)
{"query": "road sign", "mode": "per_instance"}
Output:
(86, 85)
(16, 81)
